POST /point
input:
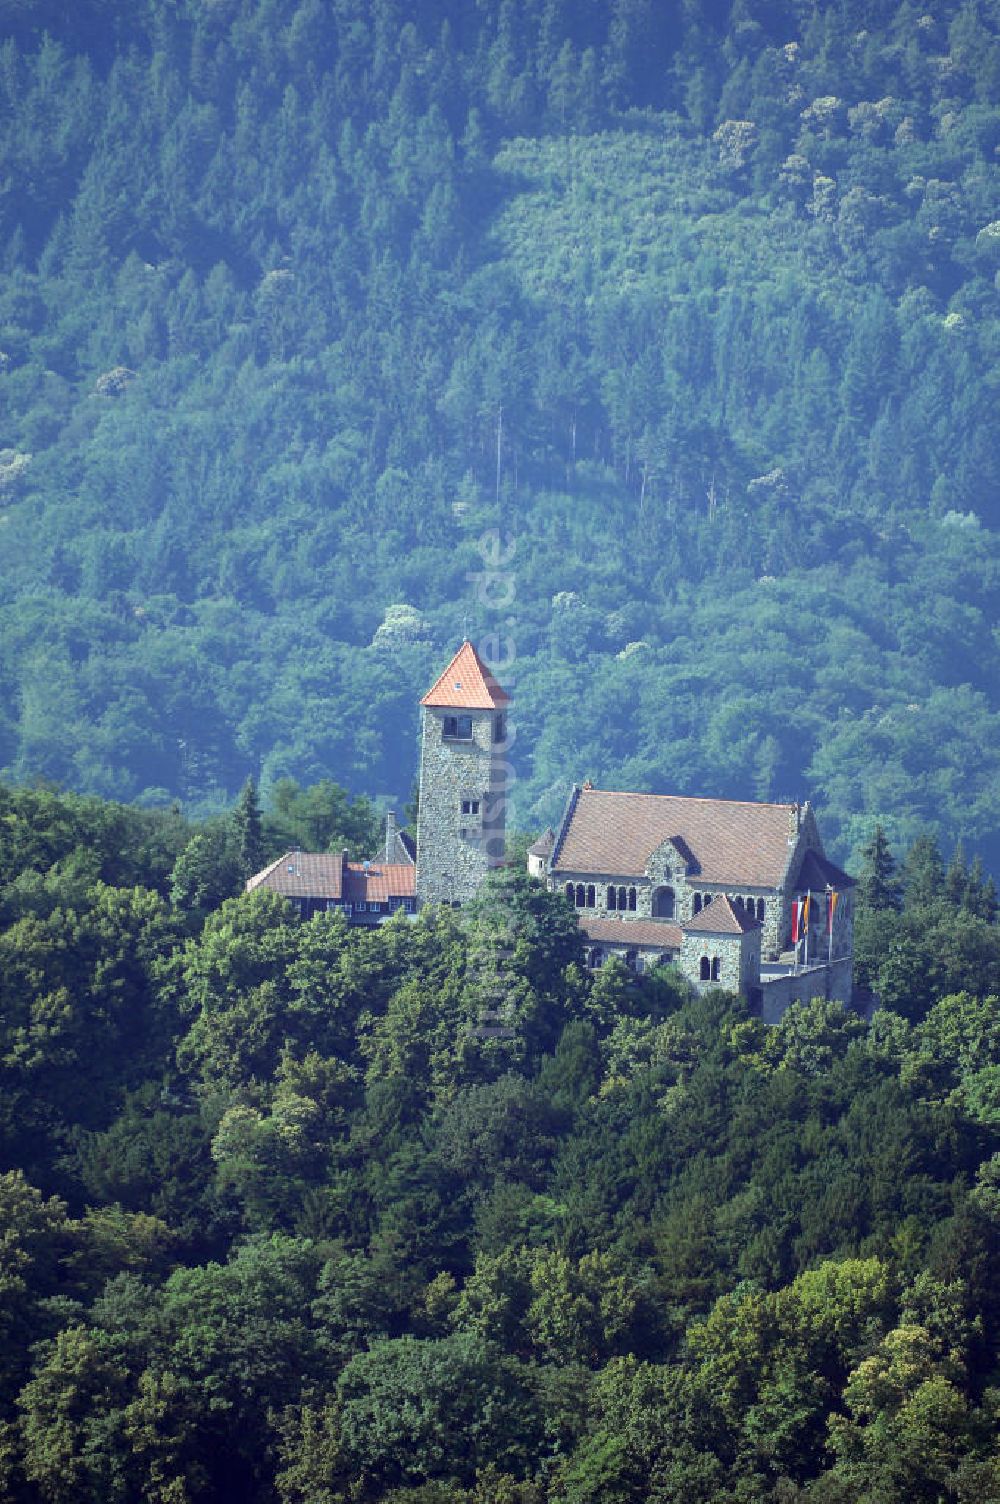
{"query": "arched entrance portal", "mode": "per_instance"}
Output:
(664, 903)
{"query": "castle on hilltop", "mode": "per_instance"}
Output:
(735, 894)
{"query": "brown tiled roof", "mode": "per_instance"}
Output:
(817, 872)
(543, 846)
(731, 842)
(659, 934)
(381, 881)
(303, 874)
(325, 874)
(467, 684)
(720, 917)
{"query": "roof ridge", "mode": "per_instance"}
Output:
(564, 824)
(256, 878)
(694, 798)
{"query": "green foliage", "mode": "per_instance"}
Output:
(404, 1403)
(944, 940)
(320, 1240)
(298, 305)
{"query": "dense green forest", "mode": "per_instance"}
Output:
(281, 1222)
(697, 303)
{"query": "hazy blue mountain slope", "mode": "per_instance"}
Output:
(299, 301)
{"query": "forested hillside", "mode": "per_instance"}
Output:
(696, 302)
(282, 1223)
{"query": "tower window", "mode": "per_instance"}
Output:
(705, 970)
(715, 968)
(631, 898)
(697, 903)
(612, 898)
(458, 728)
(470, 806)
(591, 895)
(760, 910)
(498, 728)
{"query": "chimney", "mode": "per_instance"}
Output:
(390, 835)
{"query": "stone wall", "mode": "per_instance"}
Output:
(456, 849)
(831, 982)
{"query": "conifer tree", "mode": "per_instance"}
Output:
(956, 879)
(247, 835)
(980, 892)
(923, 873)
(878, 886)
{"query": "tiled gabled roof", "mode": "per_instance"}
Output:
(325, 874)
(303, 874)
(543, 846)
(720, 917)
(659, 934)
(615, 834)
(467, 684)
(375, 882)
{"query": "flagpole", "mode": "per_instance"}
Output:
(830, 907)
(800, 914)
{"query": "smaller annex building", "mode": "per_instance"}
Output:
(737, 895)
(323, 882)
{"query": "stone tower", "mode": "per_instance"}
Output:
(463, 780)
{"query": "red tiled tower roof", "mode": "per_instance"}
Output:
(467, 684)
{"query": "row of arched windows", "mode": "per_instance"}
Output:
(754, 907)
(584, 896)
(709, 969)
(623, 899)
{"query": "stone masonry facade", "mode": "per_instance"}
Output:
(460, 827)
(733, 961)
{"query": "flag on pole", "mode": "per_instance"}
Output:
(831, 909)
(805, 914)
(796, 920)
